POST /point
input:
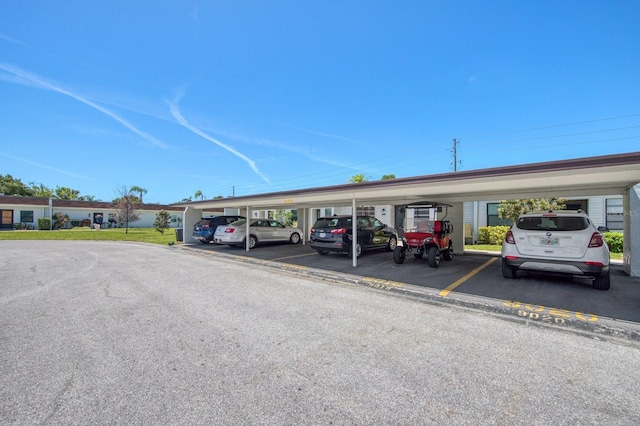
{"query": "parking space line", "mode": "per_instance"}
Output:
(292, 257)
(450, 288)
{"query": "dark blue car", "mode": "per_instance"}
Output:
(203, 230)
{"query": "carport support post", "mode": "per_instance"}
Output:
(247, 230)
(354, 233)
(190, 217)
(455, 215)
(631, 227)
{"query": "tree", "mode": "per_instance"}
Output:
(39, 190)
(359, 178)
(512, 209)
(138, 190)
(198, 194)
(388, 177)
(125, 207)
(162, 221)
(60, 220)
(11, 186)
(64, 193)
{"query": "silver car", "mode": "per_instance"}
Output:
(260, 231)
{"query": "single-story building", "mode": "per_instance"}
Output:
(24, 212)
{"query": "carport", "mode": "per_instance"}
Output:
(617, 174)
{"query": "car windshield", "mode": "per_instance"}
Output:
(552, 223)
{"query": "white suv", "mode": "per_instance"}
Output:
(562, 242)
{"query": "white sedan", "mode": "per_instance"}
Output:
(260, 231)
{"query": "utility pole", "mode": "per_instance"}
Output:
(454, 150)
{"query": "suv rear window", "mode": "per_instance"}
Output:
(333, 222)
(552, 223)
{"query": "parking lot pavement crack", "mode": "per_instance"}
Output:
(57, 404)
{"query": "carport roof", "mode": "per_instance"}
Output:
(589, 176)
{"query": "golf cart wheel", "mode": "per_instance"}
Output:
(433, 256)
(448, 254)
(399, 255)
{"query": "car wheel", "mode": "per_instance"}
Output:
(602, 283)
(295, 238)
(393, 243)
(322, 252)
(399, 255)
(358, 251)
(508, 272)
(448, 253)
(433, 256)
(253, 240)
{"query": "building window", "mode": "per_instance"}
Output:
(492, 216)
(111, 217)
(576, 205)
(615, 214)
(366, 211)
(26, 216)
(421, 213)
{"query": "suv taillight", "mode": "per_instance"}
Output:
(508, 238)
(339, 231)
(596, 240)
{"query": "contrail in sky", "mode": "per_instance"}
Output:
(178, 116)
(39, 81)
(33, 163)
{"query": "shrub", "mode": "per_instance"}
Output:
(44, 224)
(615, 241)
(493, 235)
(60, 220)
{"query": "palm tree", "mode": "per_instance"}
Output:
(139, 190)
(198, 194)
(357, 178)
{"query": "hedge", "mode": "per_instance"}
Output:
(44, 224)
(494, 235)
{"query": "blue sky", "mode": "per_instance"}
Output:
(250, 97)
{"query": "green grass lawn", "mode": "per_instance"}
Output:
(145, 235)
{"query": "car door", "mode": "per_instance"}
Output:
(365, 230)
(381, 232)
(262, 230)
(280, 232)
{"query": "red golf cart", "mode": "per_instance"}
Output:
(433, 241)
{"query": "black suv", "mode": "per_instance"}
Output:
(334, 233)
(203, 230)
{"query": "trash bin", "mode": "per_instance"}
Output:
(178, 234)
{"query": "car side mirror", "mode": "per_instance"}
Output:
(603, 229)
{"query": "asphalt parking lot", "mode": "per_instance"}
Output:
(473, 280)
